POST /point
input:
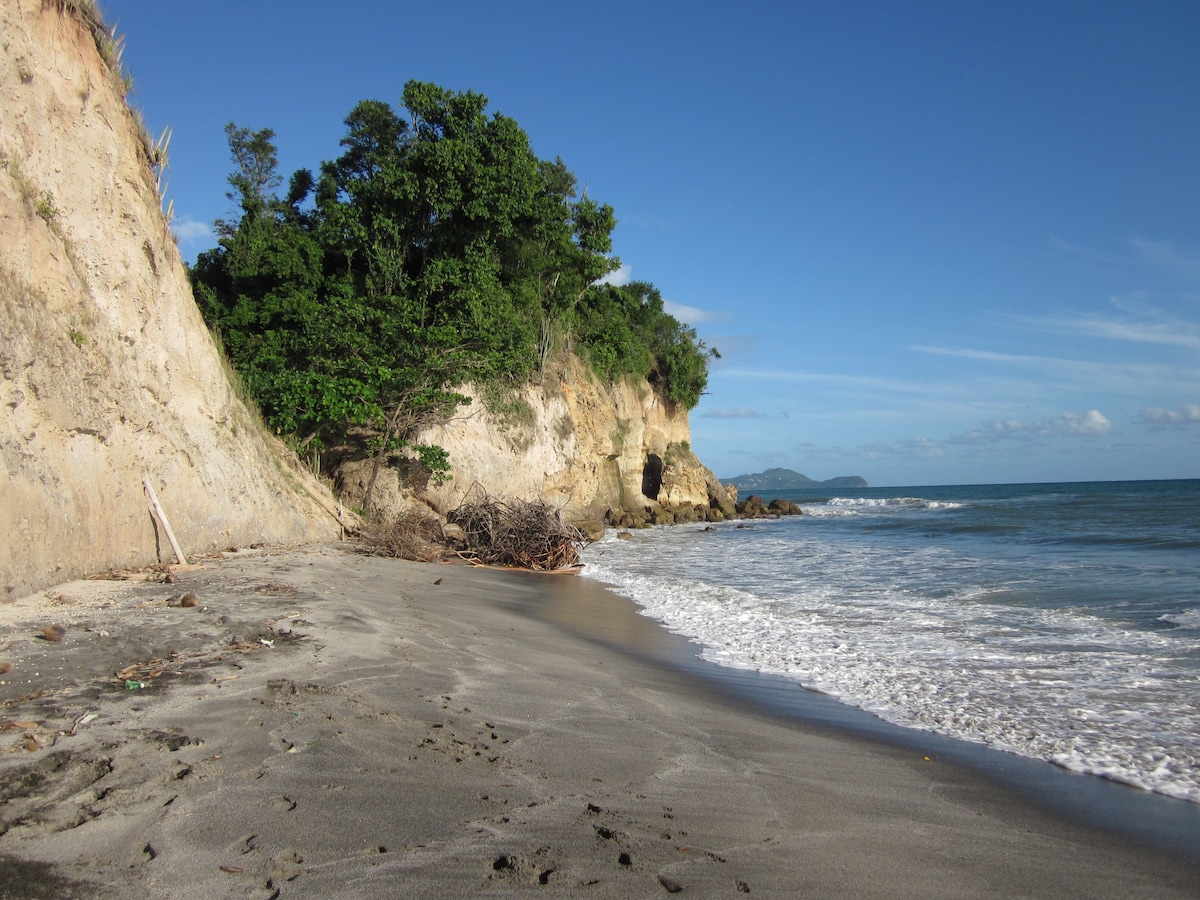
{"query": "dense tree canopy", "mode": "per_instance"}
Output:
(436, 250)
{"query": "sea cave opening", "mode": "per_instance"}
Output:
(652, 476)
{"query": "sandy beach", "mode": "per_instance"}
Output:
(327, 724)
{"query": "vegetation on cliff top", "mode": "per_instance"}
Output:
(438, 249)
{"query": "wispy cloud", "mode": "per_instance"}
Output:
(1142, 323)
(190, 232)
(1180, 334)
(1088, 424)
(1165, 255)
(1162, 256)
(1129, 378)
(909, 448)
(831, 380)
(740, 413)
(1158, 418)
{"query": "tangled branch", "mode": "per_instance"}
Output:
(411, 535)
(526, 534)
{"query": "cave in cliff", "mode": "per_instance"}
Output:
(652, 474)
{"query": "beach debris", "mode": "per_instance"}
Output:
(5, 667)
(233, 870)
(266, 643)
(624, 859)
(85, 719)
(17, 725)
(670, 885)
(525, 534)
(160, 515)
(413, 534)
(29, 743)
(189, 600)
(54, 632)
(133, 685)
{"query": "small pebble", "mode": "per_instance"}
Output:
(670, 885)
(54, 632)
(5, 667)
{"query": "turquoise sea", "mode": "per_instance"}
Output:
(1057, 622)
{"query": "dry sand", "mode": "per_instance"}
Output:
(326, 724)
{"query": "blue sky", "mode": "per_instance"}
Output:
(935, 242)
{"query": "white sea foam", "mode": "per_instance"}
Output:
(852, 506)
(917, 636)
(1188, 618)
(875, 503)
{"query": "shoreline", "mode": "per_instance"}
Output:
(1153, 820)
(446, 730)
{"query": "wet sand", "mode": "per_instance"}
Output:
(326, 724)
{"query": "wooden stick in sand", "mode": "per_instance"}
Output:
(157, 510)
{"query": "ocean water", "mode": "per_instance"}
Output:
(1056, 621)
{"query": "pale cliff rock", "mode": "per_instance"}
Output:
(109, 374)
(582, 446)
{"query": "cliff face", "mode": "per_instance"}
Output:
(108, 372)
(584, 447)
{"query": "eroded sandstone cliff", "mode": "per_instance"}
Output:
(108, 373)
(586, 448)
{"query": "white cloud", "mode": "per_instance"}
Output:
(189, 231)
(1091, 423)
(690, 315)
(1188, 414)
(622, 275)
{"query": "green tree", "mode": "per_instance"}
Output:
(437, 249)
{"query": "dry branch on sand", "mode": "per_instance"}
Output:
(526, 534)
(413, 534)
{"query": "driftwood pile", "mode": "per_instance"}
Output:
(522, 534)
(411, 535)
(526, 534)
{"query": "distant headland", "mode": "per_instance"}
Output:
(786, 479)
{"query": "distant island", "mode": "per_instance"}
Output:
(786, 479)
